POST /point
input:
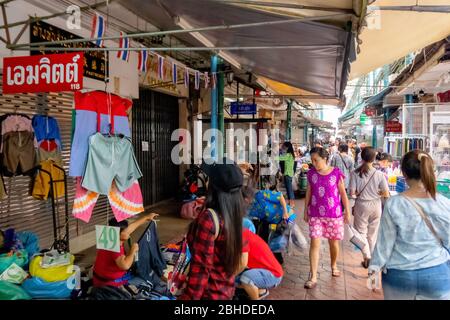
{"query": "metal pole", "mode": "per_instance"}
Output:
(220, 94)
(32, 47)
(237, 96)
(171, 32)
(284, 5)
(214, 108)
(5, 19)
(289, 121)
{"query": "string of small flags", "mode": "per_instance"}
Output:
(99, 31)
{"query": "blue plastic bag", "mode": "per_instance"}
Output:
(40, 289)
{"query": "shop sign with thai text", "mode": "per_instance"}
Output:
(43, 73)
(95, 62)
(243, 108)
(393, 126)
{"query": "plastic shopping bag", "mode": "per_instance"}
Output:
(9, 291)
(37, 288)
(355, 237)
(297, 241)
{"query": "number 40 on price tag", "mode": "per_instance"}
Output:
(107, 238)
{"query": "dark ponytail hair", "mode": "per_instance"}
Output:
(382, 156)
(368, 156)
(418, 165)
(322, 152)
(289, 147)
(230, 206)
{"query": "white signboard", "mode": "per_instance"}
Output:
(107, 238)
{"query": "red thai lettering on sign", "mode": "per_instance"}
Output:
(43, 73)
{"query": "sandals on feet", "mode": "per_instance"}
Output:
(263, 295)
(310, 284)
(335, 272)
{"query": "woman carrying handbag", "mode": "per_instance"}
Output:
(365, 185)
(414, 237)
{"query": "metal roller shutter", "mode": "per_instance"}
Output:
(21, 211)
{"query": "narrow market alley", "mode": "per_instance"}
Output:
(351, 285)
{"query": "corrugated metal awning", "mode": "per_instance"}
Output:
(320, 66)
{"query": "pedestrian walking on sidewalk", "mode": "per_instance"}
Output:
(323, 211)
(344, 162)
(288, 157)
(216, 254)
(367, 187)
(414, 238)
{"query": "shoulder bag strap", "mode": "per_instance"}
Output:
(364, 188)
(426, 219)
(216, 223)
(343, 161)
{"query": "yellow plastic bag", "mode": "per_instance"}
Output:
(52, 274)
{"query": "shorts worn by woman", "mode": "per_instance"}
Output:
(325, 211)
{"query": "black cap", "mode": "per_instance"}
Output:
(224, 175)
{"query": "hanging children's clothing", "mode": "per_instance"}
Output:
(16, 123)
(19, 154)
(110, 158)
(41, 189)
(124, 204)
(46, 128)
(92, 115)
(55, 155)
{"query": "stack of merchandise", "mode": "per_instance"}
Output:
(16, 249)
(53, 276)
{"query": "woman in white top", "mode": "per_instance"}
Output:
(414, 255)
(367, 187)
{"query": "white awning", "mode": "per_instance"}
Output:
(391, 35)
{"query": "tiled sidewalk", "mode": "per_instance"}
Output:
(351, 285)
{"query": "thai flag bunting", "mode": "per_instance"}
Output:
(186, 78)
(206, 80)
(174, 73)
(214, 80)
(124, 44)
(160, 67)
(197, 80)
(142, 62)
(98, 29)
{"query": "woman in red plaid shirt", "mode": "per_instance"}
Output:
(215, 261)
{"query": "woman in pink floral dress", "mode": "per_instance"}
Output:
(323, 211)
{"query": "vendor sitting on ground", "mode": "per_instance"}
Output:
(267, 205)
(260, 270)
(110, 267)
